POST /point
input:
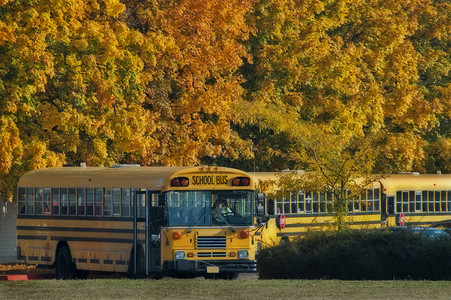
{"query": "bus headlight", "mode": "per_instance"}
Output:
(179, 254)
(243, 254)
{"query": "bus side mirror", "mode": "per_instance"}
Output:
(260, 204)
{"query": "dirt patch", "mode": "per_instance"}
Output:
(16, 269)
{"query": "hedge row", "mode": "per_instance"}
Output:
(358, 255)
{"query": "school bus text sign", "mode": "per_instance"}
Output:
(209, 180)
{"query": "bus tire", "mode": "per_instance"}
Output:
(65, 268)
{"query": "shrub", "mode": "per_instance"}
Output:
(358, 255)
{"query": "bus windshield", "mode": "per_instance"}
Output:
(206, 208)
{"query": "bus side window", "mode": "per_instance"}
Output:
(315, 202)
(89, 201)
(301, 204)
(64, 204)
(116, 201)
(22, 200)
(125, 203)
(107, 202)
(72, 201)
(286, 203)
(98, 201)
(38, 198)
(391, 205)
(271, 207)
(322, 202)
(55, 201)
(47, 204)
(376, 199)
(294, 202)
(80, 202)
(30, 201)
(308, 202)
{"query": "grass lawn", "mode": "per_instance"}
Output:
(200, 288)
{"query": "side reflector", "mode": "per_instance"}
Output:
(177, 235)
(244, 234)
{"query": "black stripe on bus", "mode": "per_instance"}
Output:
(81, 239)
(94, 261)
(31, 237)
(82, 260)
(77, 229)
(95, 240)
(315, 215)
(429, 223)
(297, 225)
(424, 214)
(81, 218)
(108, 261)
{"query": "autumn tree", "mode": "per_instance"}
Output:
(106, 82)
(195, 85)
(337, 83)
(431, 41)
(233, 82)
(72, 86)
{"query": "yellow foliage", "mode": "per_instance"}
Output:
(11, 145)
(267, 83)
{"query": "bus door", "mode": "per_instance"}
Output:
(146, 233)
(155, 219)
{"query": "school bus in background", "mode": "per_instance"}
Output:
(152, 221)
(420, 200)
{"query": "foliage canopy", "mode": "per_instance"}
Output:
(256, 84)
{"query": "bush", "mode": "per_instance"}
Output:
(358, 255)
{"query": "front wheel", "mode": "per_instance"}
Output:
(65, 268)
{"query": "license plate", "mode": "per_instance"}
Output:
(212, 269)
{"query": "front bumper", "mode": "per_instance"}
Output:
(203, 266)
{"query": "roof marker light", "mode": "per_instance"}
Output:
(241, 181)
(180, 181)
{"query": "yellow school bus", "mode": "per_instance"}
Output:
(152, 221)
(420, 199)
(409, 199)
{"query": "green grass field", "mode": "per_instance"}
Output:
(223, 289)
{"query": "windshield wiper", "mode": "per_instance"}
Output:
(225, 221)
(198, 220)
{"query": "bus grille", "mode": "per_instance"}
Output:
(211, 242)
(211, 254)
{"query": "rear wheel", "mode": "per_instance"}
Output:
(65, 268)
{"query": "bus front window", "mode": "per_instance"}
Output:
(234, 208)
(200, 208)
(186, 208)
